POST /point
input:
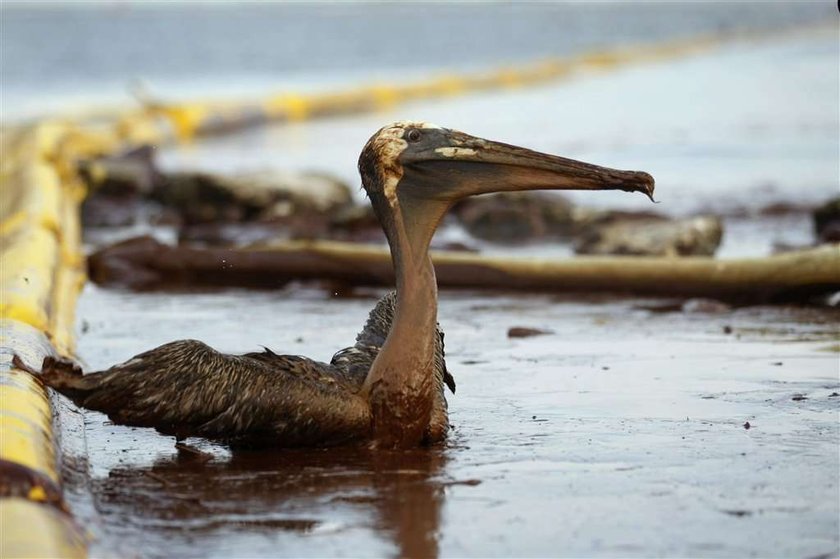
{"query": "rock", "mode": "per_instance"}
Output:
(121, 186)
(697, 236)
(128, 173)
(117, 187)
(524, 332)
(256, 196)
(356, 223)
(826, 226)
(512, 217)
(359, 224)
(784, 208)
(100, 210)
(827, 221)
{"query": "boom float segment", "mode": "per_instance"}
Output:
(40, 277)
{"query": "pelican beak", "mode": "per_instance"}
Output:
(473, 165)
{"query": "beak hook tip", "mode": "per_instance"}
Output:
(650, 188)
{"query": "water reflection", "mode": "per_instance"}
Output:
(264, 499)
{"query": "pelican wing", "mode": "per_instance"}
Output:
(186, 388)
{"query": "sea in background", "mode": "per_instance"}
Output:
(59, 55)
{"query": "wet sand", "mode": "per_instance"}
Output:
(620, 434)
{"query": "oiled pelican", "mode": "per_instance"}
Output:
(388, 388)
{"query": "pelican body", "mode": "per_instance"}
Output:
(388, 389)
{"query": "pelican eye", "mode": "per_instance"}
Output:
(413, 135)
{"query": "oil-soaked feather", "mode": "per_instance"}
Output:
(186, 388)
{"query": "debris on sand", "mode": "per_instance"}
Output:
(118, 186)
(214, 208)
(525, 332)
(827, 221)
(738, 513)
(254, 196)
(697, 236)
(356, 223)
(510, 217)
(126, 173)
(705, 306)
(689, 306)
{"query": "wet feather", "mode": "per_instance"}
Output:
(186, 388)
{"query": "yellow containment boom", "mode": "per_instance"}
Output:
(40, 276)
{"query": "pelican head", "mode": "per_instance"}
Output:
(415, 161)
